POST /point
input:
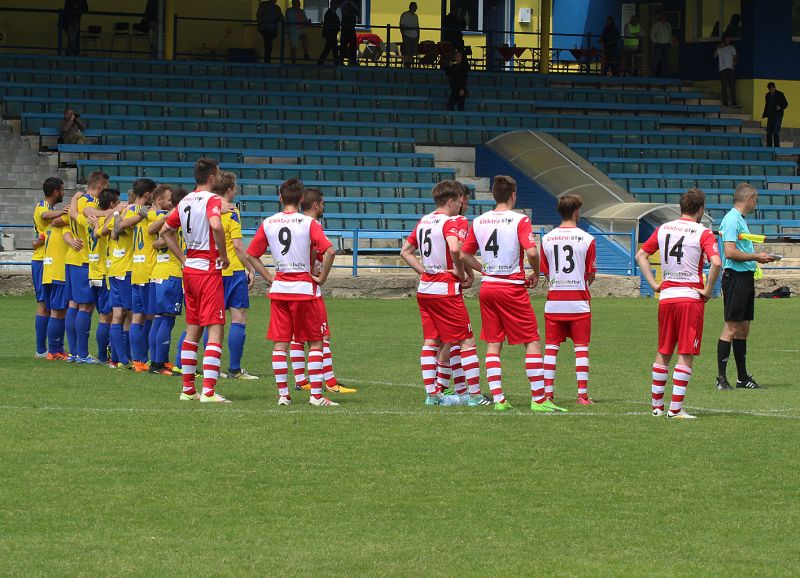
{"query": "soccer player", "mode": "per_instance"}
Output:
(292, 238)
(504, 239)
(313, 206)
(437, 237)
(569, 261)
(738, 288)
(79, 316)
(237, 279)
(198, 215)
(166, 287)
(53, 273)
(143, 258)
(43, 215)
(681, 244)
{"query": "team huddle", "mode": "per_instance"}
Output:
(140, 264)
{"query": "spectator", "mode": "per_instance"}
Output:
(150, 23)
(725, 54)
(661, 38)
(457, 72)
(774, 104)
(734, 29)
(631, 44)
(296, 21)
(453, 26)
(330, 32)
(409, 30)
(71, 24)
(71, 127)
(269, 18)
(610, 42)
(349, 43)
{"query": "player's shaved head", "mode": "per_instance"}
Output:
(744, 192)
(177, 196)
(446, 190)
(310, 197)
(568, 204)
(225, 183)
(291, 192)
(96, 180)
(204, 169)
(502, 188)
(107, 198)
(692, 202)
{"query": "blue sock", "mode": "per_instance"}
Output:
(236, 339)
(152, 338)
(136, 336)
(83, 326)
(118, 343)
(41, 333)
(205, 338)
(178, 352)
(126, 337)
(55, 335)
(72, 335)
(164, 338)
(148, 348)
(102, 336)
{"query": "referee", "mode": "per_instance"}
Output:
(738, 288)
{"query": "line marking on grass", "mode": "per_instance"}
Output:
(756, 413)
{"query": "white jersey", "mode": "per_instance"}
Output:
(502, 237)
(568, 257)
(192, 216)
(430, 238)
(681, 244)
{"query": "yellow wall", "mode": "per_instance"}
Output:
(751, 96)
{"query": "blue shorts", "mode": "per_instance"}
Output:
(120, 291)
(37, 269)
(101, 295)
(78, 289)
(236, 294)
(140, 296)
(168, 296)
(55, 295)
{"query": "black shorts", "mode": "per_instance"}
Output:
(738, 295)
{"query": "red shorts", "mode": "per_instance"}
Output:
(205, 298)
(507, 314)
(323, 316)
(444, 318)
(680, 323)
(557, 331)
(298, 320)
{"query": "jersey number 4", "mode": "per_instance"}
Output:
(676, 250)
(491, 244)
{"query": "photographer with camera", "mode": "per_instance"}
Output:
(71, 128)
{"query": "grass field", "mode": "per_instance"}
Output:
(106, 473)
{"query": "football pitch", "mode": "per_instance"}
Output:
(106, 473)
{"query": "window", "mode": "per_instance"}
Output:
(796, 20)
(713, 18)
(472, 11)
(315, 10)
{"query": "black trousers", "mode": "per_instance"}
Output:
(269, 40)
(456, 100)
(349, 46)
(774, 130)
(728, 82)
(331, 45)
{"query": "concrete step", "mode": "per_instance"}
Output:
(463, 169)
(449, 154)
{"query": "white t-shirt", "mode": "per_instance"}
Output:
(725, 56)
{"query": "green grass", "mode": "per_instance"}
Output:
(106, 473)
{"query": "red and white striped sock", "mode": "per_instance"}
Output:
(550, 356)
(298, 355)
(427, 360)
(327, 364)
(472, 370)
(680, 379)
(443, 375)
(534, 369)
(582, 369)
(188, 366)
(211, 362)
(660, 375)
(459, 379)
(281, 371)
(315, 372)
(494, 375)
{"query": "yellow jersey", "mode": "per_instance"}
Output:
(167, 264)
(85, 200)
(72, 256)
(232, 225)
(120, 251)
(144, 256)
(55, 250)
(97, 247)
(39, 227)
